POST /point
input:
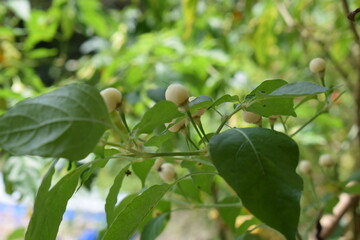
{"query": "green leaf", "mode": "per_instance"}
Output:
(42, 53)
(131, 217)
(259, 164)
(353, 189)
(17, 234)
(200, 102)
(111, 198)
(123, 204)
(188, 189)
(50, 205)
(161, 113)
(224, 99)
(261, 104)
(202, 182)
(67, 123)
(142, 169)
(354, 177)
(154, 227)
(299, 89)
(158, 140)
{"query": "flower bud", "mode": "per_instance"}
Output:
(177, 94)
(250, 117)
(167, 172)
(112, 98)
(317, 65)
(326, 160)
(304, 167)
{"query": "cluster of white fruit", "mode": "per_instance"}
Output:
(325, 160)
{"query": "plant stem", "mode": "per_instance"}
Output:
(166, 154)
(238, 108)
(202, 130)
(194, 174)
(313, 189)
(191, 141)
(308, 122)
(203, 138)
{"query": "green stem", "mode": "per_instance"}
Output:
(195, 126)
(202, 130)
(218, 205)
(194, 174)
(284, 124)
(313, 189)
(193, 160)
(165, 154)
(238, 108)
(308, 122)
(191, 141)
(123, 119)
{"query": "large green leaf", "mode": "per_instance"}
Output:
(67, 123)
(259, 164)
(135, 212)
(299, 89)
(112, 196)
(50, 205)
(275, 97)
(266, 106)
(162, 112)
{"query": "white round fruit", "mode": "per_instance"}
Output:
(167, 172)
(305, 167)
(326, 160)
(250, 117)
(177, 94)
(112, 98)
(177, 126)
(317, 65)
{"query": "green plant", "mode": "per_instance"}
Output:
(258, 163)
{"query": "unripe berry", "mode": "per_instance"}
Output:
(305, 167)
(250, 117)
(177, 94)
(325, 160)
(317, 65)
(167, 172)
(177, 126)
(112, 98)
